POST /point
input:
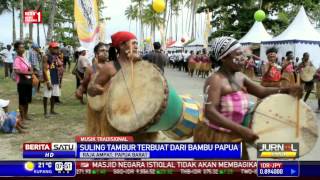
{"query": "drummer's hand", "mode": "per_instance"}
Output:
(78, 94)
(296, 91)
(248, 135)
(95, 90)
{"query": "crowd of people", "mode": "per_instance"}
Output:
(192, 62)
(226, 90)
(270, 72)
(32, 69)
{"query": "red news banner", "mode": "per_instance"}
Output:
(166, 167)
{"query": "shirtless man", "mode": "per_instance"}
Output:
(124, 51)
(101, 57)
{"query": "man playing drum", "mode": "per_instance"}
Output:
(124, 51)
(101, 56)
(227, 97)
(307, 71)
(271, 74)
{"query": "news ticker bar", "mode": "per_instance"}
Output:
(132, 150)
(72, 168)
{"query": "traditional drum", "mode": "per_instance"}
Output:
(183, 129)
(142, 101)
(308, 73)
(275, 120)
(97, 103)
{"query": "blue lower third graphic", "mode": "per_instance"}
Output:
(49, 154)
(278, 168)
(38, 168)
(160, 150)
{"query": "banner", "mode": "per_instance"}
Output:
(123, 150)
(87, 22)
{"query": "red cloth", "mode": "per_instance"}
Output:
(205, 59)
(273, 76)
(192, 59)
(53, 44)
(120, 37)
(198, 58)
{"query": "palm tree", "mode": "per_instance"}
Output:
(51, 20)
(31, 5)
(21, 19)
(9, 5)
(140, 6)
(175, 9)
(153, 19)
(13, 21)
(132, 15)
(193, 5)
(164, 36)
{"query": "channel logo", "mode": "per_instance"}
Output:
(278, 150)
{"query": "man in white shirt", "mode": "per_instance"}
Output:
(185, 60)
(7, 55)
(83, 63)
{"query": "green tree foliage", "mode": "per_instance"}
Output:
(64, 29)
(235, 17)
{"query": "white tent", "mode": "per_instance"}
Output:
(255, 35)
(299, 37)
(175, 46)
(196, 45)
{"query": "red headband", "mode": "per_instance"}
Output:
(53, 44)
(121, 37)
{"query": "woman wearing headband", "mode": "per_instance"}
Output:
(227, 97)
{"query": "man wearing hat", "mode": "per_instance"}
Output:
(51, 78)
(83, 63)
(124, 51)
(157, 57)
(9, 122)
(124, 48)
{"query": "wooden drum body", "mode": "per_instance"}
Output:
(97, 103)
(184, 128)
(142, 101)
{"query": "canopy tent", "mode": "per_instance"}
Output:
(255, 35)
(196, 45)
(299, 37)
(175, 46)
